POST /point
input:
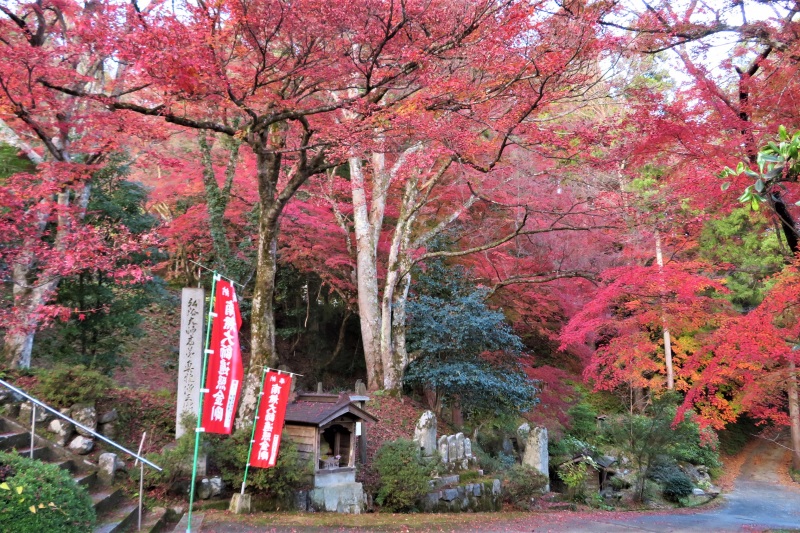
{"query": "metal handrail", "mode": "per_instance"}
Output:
(61, 415)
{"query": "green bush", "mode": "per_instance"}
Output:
(677, 486)
(521, 483)
(36, 496)
(290, 473)
(583, 424)
(574, 475)
(403, 478)
(662, 468)
(64, 386)
(175, 461)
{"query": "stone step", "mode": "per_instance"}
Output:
(154, 520)
(120, 518)
(87, 479)
(42, 453)
(197, 522)
(11, 440)
(105, 500)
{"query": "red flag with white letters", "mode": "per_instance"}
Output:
(269, 424)
(224, 373)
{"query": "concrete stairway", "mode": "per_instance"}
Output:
(115, 511)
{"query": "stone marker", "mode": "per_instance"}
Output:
(190, 358)
(452, 449)
(467, 448)
(442, 445)
(459, 446)
(107, 468)
(425, 433)
(536, 452)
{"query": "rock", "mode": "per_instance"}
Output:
(110, 416)
(346, 498)
(63, 429)
(109, 429)
(698, 492)
(442, 445)
(7, 396)
(450, 480)
(301, 498)
(477, 489)
(467, 448)
(25, 410)
(179, 488)
(81, 445)
(107, 467)
(430, 501)
(204, 489)
(449, 495)
(120, 465)
(496, 487)
(508, 447)
(452, 449)
(216, 486)
(536, 452)
(85, 414)
(459, 446)
(425, 433)
(522, 437)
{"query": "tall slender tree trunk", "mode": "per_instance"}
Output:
(794, 415)
(367, 234)
(667, 339)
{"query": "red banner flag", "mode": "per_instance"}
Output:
(269, 424)
(225, 372)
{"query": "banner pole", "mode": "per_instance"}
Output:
(199, 429)
(253, 432)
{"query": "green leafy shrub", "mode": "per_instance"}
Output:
(699, 446)
(662, 468)
(64, 386)
(570, 447)
(403, 478)
(574, 475)
(521, 483)
(175, 461)
(583, 424)
(677, 486)
(36, 496)
(291, 472)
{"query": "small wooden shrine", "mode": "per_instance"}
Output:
(328, 428)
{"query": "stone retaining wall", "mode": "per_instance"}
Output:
(470, 497)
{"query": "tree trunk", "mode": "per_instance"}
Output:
(794, 415)
(262, 322)
(667, 339)
(367, 273)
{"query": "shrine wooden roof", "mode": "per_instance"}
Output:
(319, 409)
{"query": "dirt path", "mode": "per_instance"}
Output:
(762, 499)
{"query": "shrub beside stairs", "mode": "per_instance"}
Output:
(115, 511)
